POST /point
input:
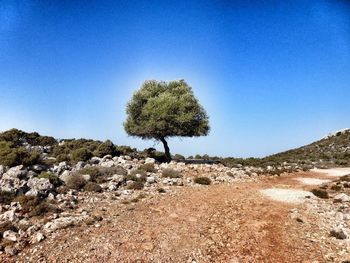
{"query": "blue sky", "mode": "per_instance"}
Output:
(272, 75)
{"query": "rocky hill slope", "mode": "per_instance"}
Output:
(332, 150)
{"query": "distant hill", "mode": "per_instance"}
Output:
(332, 150)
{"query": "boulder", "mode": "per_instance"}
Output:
(107, 164)
(63, 222)
(9, 216)
(10, 235)
(65, 176)
(150, 160)
(39, 184)
(16, 172)
(151, 180)
(342, 197)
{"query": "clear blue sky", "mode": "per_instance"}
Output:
(272, 75)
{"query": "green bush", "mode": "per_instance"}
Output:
(202, 180)
(13, 156)
(54, 180)
(18, 137)
(320, 193)
(76, 182)
(92, 187)
(179, 157)
(171, 173)
(81, 154)
(106, 148)
(148, 167)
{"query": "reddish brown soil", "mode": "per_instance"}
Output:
(217, 223)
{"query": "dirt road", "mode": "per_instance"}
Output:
(217, 223)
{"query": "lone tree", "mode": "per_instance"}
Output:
(159, 110)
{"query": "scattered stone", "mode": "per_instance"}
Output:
(342, 197)
(10, 235)
(10, 250)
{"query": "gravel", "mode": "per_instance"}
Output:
(286, 195)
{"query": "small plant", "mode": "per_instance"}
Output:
(338, 234)
(6, 197)
(345, 178)
(161, 190)
(92, 187)
(230, 174)
(336, 187)
(171, 173)
(202, 180)
(137, 185)
(76, 182)
(81, 154)
(148, 167)
(54, 180)
(35, 206)
(320, 193)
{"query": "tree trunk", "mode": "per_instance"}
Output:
(166, 149)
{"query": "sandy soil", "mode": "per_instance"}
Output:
(333, 172)
(217, 223)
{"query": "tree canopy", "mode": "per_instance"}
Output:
(159, 110)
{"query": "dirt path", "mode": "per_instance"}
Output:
(217, 223)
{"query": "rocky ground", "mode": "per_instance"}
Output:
(173, 217)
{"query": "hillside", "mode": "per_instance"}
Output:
(332, 150)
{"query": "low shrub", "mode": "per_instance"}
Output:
(81, 154)
(338, 234)
(136, 185)
(54, 179)
(148, 167)
(345, 178)
(179, 157)
(6, 197)
(135, 178)
(336, 187)
(161, 190)
(101, 174)
(43, 208)
(76, 182)
(13, 156)
(320, 193)
(202, 180)
(171, 173)
(106, 148)
(92, 187)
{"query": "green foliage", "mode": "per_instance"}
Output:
(54, 180)
(92, 187)
(106, 148)
(76, 182)
(179, 157)
(18, 137)
(81, 154)
(159, 109)
(202, 180)
(171, 173)
(12, 156)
